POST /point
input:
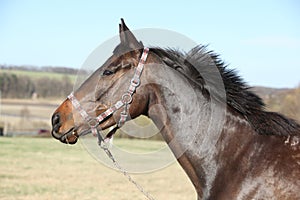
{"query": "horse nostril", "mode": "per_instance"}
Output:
(56, 120)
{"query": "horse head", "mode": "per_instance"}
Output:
(106, 86)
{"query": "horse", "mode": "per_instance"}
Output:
(228, 144)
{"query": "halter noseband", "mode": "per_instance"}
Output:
(125, 101)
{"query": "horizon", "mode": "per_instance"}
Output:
(261, 40)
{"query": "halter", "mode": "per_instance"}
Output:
(125, 101)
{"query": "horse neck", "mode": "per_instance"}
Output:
(188, 122)
(196, 129)
(175, 106)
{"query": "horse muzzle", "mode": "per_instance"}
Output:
(63, 128)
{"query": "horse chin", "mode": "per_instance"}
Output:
(70, 137)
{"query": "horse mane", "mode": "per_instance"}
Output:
(239, 97)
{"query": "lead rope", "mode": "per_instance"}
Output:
(121, 169)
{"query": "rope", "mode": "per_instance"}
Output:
(126, 174)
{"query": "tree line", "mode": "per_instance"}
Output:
(55, 69)
(13, 86)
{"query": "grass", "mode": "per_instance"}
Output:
(43, 168)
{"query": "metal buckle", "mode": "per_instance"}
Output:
(135, 82)
(126, 98)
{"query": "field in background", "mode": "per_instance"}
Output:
(43, 168)
(39, 74)
(27, 115)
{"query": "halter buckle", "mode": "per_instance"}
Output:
(135, 82)
(126, 98)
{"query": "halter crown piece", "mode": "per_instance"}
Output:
(125, 101)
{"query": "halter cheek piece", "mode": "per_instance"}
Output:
(125, 101)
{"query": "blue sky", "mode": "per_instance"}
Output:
(261, 39)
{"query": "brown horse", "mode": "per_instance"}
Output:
(230, 148)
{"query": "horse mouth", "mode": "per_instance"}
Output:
(70, 137)
(73, 134)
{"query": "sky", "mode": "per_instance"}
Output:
(260, 39)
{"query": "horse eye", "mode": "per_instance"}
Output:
(107, 72)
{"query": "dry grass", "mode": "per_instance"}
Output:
(43, 168)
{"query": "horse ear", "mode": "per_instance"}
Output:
(127, 38)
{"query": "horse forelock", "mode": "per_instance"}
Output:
(238, 94)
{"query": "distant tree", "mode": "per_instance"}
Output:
(66, 86)
(16, 86)
(46, 87)
(25, 87)
(13, 86)
(9, 83)
(4, 84)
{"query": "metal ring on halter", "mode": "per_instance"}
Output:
(126, 98)
(135, 82)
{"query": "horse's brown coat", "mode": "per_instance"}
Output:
(256, 155)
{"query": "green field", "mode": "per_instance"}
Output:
(43, 168)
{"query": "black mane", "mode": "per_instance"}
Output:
(238, 94)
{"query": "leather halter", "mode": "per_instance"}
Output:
(125, 101)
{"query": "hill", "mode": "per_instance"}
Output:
(34, 75)
(284, 100)
(268, 92)
(26, 82)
